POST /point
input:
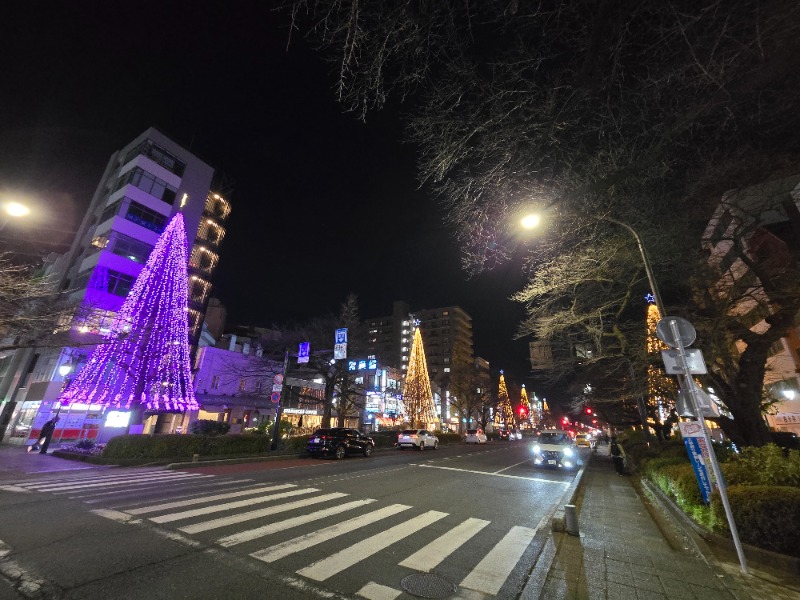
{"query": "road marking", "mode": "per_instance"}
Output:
(115, 515)
(100, 496)
(14, 488)
(187, 514)
(427, 558)
(564, 483)
(251, 534)
(135, 480)
(375, 591)
(178, 504)
(288, 547)
(257, 514)
(328, 567)
(512, 466)
(491, 573)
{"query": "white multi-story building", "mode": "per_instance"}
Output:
(144, 184)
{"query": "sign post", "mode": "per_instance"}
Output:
(678, 333)
(277, 392)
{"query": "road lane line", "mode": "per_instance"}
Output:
(288, 547)
(346, 558)
(252, 534)
(197, 512)
(427, 558)
(564, 483)
(512, 466)
(178, 504)
(491, 573)
(257, 514)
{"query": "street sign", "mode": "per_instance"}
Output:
(278, 379)
(303, 352)
(686, 331)
(708, 408)
(694, 360)
(277, 387)
(340, 351)
(695, 442)
(275, 397)
(341, 336)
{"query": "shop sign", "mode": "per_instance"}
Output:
(300, 411)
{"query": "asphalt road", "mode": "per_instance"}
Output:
(466, 518)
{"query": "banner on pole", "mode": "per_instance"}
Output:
(695, 442)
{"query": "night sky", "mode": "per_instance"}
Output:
(323, 204)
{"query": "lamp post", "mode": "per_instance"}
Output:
(532, 220)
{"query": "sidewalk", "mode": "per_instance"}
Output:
(16, 463)
(622, 554)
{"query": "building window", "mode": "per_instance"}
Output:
(109, 211)
(159, 156)
(111, 281)
(149, 183)
(149, 219)
(447, 369)
(215, 382)
(130, 248)
(242, 384)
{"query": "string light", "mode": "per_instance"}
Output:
(417, 394)
(144, 358)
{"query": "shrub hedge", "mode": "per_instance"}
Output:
(763, 487)
(765, 516)
(183, 446)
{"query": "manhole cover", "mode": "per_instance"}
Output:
(427, 585)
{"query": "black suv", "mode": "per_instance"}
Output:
(340, 441)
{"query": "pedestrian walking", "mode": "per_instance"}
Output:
(617, 456)
(44, 436)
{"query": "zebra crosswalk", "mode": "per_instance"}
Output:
(315, 534)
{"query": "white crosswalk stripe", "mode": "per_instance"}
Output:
(97, 483)
(255, 510)
(491, 573)
(324, 569)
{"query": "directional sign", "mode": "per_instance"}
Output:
(341, 336)
(694, 360)
(303, 352)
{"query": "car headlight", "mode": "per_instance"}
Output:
(568, 452)
(536, 449)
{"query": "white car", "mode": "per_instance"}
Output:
(555, 448)
(475, 436)
(417, 438)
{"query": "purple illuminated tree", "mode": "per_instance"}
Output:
(144, 361)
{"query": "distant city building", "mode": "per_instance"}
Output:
(144, 184)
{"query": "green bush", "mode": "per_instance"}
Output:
(450, 438)
(297, 443)
(209, 427)
(766, 465)
(169, 446)
(765, 516)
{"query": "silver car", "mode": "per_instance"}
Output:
(417, 438)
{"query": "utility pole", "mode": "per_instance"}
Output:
(278, 408)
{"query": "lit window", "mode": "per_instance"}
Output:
(447, 369)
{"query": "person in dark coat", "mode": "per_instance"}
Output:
(616, 455)
(44, 436)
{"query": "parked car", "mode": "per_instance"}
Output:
(555, 448)
(417, 438)
(584, 440)
(339, 441)
(475, 436)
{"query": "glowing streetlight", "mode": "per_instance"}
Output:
(12, 209)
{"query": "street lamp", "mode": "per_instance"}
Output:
(531, 221)
(12, 209)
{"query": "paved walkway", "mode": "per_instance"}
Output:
(622, 554)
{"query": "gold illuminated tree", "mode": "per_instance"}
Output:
(660, 388)
(504, 414)
(417, 394)
(524, 406)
